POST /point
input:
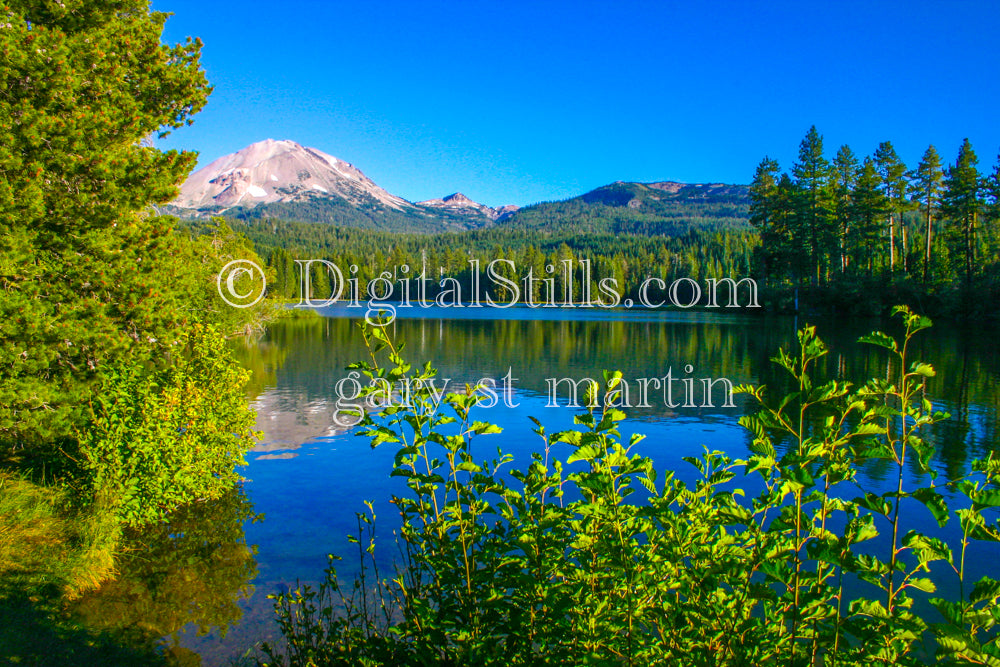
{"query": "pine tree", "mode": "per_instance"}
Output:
(869, 207)
(765, 217)
(791, 253)
(89, 274)
(991, 192)
(961, 205)
(893, 174)
(813, 211)
(925, 185)
(845, 171)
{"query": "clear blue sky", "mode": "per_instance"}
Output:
(518, 102)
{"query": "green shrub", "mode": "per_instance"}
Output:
(564, 563)
(160, 438)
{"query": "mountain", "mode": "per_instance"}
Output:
(662, 208)
(461, 205)
(272, 171)
(283, 179)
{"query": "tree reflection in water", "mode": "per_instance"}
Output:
(193, 569)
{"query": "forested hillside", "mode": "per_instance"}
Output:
(629, 259)
(371, 216)
(642, 208)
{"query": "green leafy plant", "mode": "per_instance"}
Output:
(160, 438)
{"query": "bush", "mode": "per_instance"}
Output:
(160, 438)
(565, 564)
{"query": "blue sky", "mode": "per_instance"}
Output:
(518, 102)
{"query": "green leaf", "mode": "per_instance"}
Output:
(880, 339)
(985, 589)
(868, 608)
(922, 584)
(988, 497)
(875, 503)
(584, 453)
(934, 502)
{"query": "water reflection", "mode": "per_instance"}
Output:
(185, 576)
(533, 350)
(288, 418)
(740, 348)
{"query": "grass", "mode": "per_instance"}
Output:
(48, 549)
(50, 554)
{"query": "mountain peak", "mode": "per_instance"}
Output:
(270, 171)
(459, 203)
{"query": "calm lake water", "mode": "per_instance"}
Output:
(198, 585)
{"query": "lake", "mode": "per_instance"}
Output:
(198, 584)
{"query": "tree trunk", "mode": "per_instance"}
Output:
(968, 251)
(843, 253)
(902, 233)
(927, 248)
(892, 243)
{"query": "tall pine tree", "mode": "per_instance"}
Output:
(869, 207)
(961, 206)
(845, 174)
(893, 174)
(925, 186)
(813, 229)
(991, 194)
(766, 217)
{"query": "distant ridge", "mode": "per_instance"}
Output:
(649, 209)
